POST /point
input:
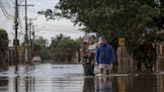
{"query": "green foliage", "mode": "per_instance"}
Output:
(108, 15)
(45, 53)
(63, 49)
(40, 48)
(3, 45)
(3, 40)
(126, 18)
(41, 41)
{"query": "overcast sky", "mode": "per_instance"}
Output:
(44, 28)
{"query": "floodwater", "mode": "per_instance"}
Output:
(69, 78)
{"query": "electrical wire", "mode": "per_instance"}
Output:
(6, 15)
(3, 6)
(5, 12)
(7, 3)
(19, 2)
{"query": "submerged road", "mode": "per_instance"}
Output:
(69, 78)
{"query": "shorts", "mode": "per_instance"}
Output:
(105, 68)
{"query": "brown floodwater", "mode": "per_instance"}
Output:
(69, 78)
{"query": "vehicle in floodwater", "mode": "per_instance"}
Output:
(36, 60)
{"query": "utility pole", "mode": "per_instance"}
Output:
(27, 58)
(16, 41)
(26, 35)
(33, 38)
(30, 40)
(16, 32)
(30, 25)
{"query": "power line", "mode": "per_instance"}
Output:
(6, 15)
(5, 12)
(27, 55)
(3, 6)
(18, 2)
(7, 3)
(21, 1)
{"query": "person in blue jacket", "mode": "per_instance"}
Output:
(105, 56)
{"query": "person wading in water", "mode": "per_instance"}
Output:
(105, 57)
(87, 59)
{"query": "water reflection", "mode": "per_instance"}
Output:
(140, 83)
(69, 78)
(3, 84)
(98, 84)
(104, 84)
(89, 85)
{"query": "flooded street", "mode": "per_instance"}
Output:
(69, 78)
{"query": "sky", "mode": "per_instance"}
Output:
(44, 28)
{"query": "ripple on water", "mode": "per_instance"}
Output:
(69, 78)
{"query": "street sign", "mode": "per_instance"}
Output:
(20, 48)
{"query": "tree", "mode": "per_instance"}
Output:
(41, 41)
(63, 48)
(124, 18)
(105, 15)
(127, 18)
(41, 48)
(3, 44)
